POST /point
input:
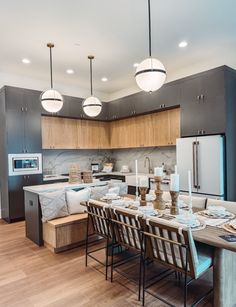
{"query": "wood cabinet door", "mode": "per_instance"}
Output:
(174, 125)
(104, 139)
(160, 128)
(64, 133)
(59, 133)
(46, 127)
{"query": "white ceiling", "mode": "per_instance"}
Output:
(116, 33)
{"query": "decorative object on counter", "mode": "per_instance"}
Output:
(150, 74)
(74, 174)
(143, 192)
(124, 169)
(190, 192)
(136, 179)
(95, 167)
(92, 106)
(107, 167)
(88, 177)
(158, 202)
(51, 100)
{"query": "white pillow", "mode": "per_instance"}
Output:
(75, 198)
(122, 185)
(114, 190)
(98, 192)
(53, 205)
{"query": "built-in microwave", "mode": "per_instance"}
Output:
(24, 164)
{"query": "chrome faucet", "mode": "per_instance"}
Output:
(147, 159)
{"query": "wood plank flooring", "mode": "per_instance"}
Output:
(32, 276)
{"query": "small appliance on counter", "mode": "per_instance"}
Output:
(95, 167)
(124, 169)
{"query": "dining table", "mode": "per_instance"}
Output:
(224, 259)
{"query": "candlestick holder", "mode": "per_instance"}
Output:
(158, 202)
(143, 192)
(174, 209)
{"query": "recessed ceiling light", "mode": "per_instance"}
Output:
(136, 65)
(70, 71)
(104, 79)
(183, 44)
(26, 61)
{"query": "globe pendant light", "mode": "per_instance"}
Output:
(150, 74)
(51, 100)
(92, 106)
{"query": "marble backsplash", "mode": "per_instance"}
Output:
(157, 156)
(58, 161)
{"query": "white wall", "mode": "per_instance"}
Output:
(42, 85)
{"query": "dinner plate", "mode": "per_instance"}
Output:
(225, 215)
(233, 224)
(229, 228)
(111, 197)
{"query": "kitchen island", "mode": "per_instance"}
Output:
(33, 214)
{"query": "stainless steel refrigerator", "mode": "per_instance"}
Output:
(204, 157)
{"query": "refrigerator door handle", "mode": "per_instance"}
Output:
(197, 168)
(194, 164)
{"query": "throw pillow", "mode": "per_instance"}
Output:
(75, 198)
(122, 185)
(53, 205)
(114, 190)
(98, 192)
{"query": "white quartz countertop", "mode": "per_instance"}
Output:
(60, 186)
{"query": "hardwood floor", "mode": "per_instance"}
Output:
(34, 276)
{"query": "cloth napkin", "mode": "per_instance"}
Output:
(212, 222)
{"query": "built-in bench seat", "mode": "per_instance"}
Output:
(64, 233)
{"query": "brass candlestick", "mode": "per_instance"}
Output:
(174, 209)
(158, 202)
(143, 192)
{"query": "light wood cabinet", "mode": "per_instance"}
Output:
(59, 133)
(66, 133)
(156, 129)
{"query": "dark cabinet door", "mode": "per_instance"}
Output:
(167, 96)
(16, 197)
(203, 105)
(121, 108)
(15, 120)
(113, 110)
(16, 193)
(15, 131)
(32, 122)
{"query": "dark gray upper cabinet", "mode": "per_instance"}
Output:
(203, 104)
(23, 120)
(72, 108)
(121, 108)
(167, 96)
(140, 103)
